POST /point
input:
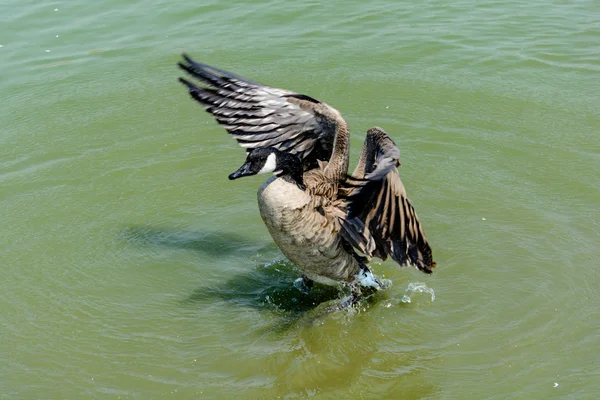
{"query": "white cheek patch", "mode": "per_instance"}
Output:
(270, 164)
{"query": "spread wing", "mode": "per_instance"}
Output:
(381, 221)
(262, 116)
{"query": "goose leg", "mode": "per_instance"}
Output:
(303, 284)
(366, 286)
(367, 280)
(356, 294)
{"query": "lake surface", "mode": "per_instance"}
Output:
(132, 268)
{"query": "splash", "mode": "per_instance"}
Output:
(417, 287)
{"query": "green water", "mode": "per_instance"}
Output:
(133, 269)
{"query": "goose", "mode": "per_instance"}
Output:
(328, 222)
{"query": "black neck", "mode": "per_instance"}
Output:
(291, 169)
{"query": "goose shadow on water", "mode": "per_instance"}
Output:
(212, 243)
(265, 286)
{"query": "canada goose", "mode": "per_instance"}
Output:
(317, 214)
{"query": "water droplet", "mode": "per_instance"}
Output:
(555, 384)
(47, 51)
(417, 288)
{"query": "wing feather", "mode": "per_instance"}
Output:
(261, 116)
(380, 214)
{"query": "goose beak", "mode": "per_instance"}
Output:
(242, 171)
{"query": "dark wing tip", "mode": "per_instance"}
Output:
(185, 68)
(187, 64)
(190, 61)
(195, 69)
(428, 269)
(213, 75)
(187, 83)
(423, 258)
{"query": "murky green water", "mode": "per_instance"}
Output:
(132, 268)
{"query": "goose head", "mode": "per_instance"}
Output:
(268, 159)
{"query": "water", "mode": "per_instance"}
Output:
(132, 268)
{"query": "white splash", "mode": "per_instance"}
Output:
(417, 287)
(301, 286)
(366, 278)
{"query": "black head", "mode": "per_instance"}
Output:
(269, 159)
(258, 161)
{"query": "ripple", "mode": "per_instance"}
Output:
(132, 267)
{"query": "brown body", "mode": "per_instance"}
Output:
(305, 224)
